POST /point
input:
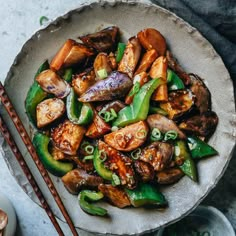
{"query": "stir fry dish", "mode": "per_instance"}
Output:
(116, 120)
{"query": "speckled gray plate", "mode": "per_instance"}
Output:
(196, 55)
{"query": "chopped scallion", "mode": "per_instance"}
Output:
(89, 157)
(102, 74)
(156, 135)
(89, 149)
(42, 19)
(141, 134)
(116, 179)
(136, 154)
(171, 134)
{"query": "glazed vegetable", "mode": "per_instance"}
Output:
(67, 137)
(199, 148)
(50, 82)
(164, 124)
(130, 58)
(86, 196)
(174, 82)
(70, 54)
(157, 110)
(144, 170)
(35, 95)
(78, 179)
(115, 195)
(169, 176)
(57, 168)
(116, 85)
(145, 195)
(104, 40)
(152, 39)
(77, 112)
(48, 111)
(184, 160)
(128, 138)
(138, 109)
(179, 102)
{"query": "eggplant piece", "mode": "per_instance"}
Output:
(179, 102)
(203, 96)
(83, 81)
(203, 125)
(164, 124)
(48, 111)
(67, 137)
(158, 154)
(50, 82)
(144, 170)
(173, 64)
(119, 164)
(103, 41)
(116, 85)
(85, 165)
(131, 57)
(102, 62)
(116, 105)
(169, 176)
(78, 179)
(115, 195)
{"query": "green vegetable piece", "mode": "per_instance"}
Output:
(144, 195)
(102, 74)
(99, 166)
(35, 95)
(199, 148)
(88, 195)
(138, 109)
(120, 51)
(134, 89)
(78, 113)
(171, 134)
(57, 168)
(68, 75)
(157, 110)
(156, 135)
(182, 154)
(42, 19)
(173, 80)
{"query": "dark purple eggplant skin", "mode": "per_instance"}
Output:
(203, 125)
(201, 92)
(116, 85)
(104, 40)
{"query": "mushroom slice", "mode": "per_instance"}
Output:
(202, 125)
(104, 40)
(169, 176)
(164, 124)
(158, 154)
(144, 170)
(203, 96)
(67, 137)
(131, 57)
(115, 195)
(48, 111)
(179, 102)
(51, 82)
(78, 179)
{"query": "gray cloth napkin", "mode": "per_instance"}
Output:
(215, 19)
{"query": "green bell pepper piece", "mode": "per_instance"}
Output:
(100, 168)
(138, 109)
(173, 81)
(78, 113)
(188, 166)
(120, 51)
(88, 195)
(57, 168)
(68, 75)
(144, 195)
(199, 148)
(35, 95)
(157, 110)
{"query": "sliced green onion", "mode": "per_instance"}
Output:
(135, 89)
(89, 157)
(42, 19)
(141, 134)
(171, 134)
(102, 155)
(116, 179)
(89, 149)
(114, 128)
(102, 114)
(120, 51)
(113, 113)
(136, 154)
(102, 74)
(156, 134)
(107, 116)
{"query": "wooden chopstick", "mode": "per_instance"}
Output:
(8, 137)
(27, 141)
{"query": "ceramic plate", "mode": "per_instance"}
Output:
(194, 53)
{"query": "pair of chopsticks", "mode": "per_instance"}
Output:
(26, 139)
